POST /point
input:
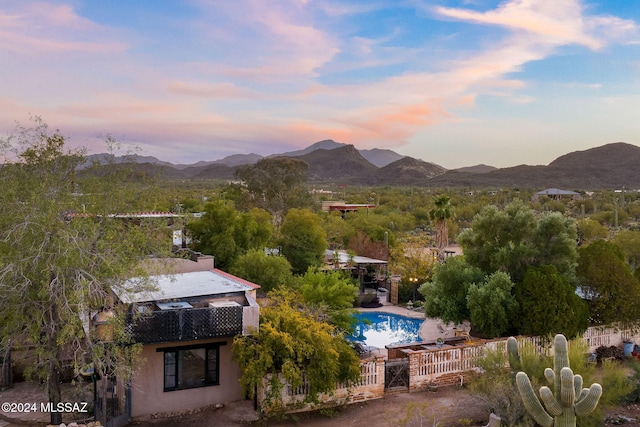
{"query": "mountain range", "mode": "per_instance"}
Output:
(609, 166)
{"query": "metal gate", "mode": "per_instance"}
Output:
(112, 403)
(396, 374)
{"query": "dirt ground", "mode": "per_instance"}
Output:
(448, 407)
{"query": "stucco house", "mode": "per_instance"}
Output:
(557, 194)
(186, 325)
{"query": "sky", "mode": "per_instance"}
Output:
(453, 82)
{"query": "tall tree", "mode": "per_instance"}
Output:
(445, 295)
(302, 239)
(549, 304)
(268, 271)
(57, 267)
(441, 213)
(555, 240)
(513, 239)
(607, 284)
(492, 305)
(276, 184)
(500, 240)
(226, 233)
(629, 242)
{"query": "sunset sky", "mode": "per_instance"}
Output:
(453, 82)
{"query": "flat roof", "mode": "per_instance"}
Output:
(557, 192)
(351, 206)
(185, 285)
(343, 258)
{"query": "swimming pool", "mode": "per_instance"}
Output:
(386, 328)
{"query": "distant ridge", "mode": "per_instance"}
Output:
(481, 168)
(325, 144)
(408, 171)
(611, 166)
(344, 163)
(376, 156)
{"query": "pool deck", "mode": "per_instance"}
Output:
(430, 330)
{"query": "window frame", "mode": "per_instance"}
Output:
(208, 370)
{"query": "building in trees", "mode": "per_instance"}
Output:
(345, 208)
(557, 194)
(186, 326)
(369, 272)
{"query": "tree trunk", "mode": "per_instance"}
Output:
(442, 239)
(55, 394)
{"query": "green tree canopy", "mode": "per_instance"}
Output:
(226, 233)
(276, 184)
(590, 230)
(512, 240)
(491, 304)
(500, 240)
(302, 239)
(629, 242)
(607, 283)
(446, 295)
(62, 255)
(268, 271)
(549, 304)
(329, 295)
(292, 346)
(411, 257)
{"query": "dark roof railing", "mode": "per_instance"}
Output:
(185, 324)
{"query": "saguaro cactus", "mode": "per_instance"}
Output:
(568, 399)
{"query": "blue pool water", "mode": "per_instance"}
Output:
(385, 329)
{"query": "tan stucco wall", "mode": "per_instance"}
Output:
(148, 397)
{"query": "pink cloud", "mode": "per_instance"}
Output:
(281, 39)
(40, 28)
(208, 90)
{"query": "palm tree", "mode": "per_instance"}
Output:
(440, 214)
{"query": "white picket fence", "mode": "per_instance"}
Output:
(436, 366)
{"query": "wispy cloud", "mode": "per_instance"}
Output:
(42, 28)
(555, 22)
(231, 74)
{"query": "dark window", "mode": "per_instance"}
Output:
(191, 367)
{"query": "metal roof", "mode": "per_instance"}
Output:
(343, 258)
(556, 192)
(184, 285)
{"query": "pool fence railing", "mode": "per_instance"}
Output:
(413, 368)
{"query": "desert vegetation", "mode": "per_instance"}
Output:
(534, 266)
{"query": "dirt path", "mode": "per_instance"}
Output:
(449, 406)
